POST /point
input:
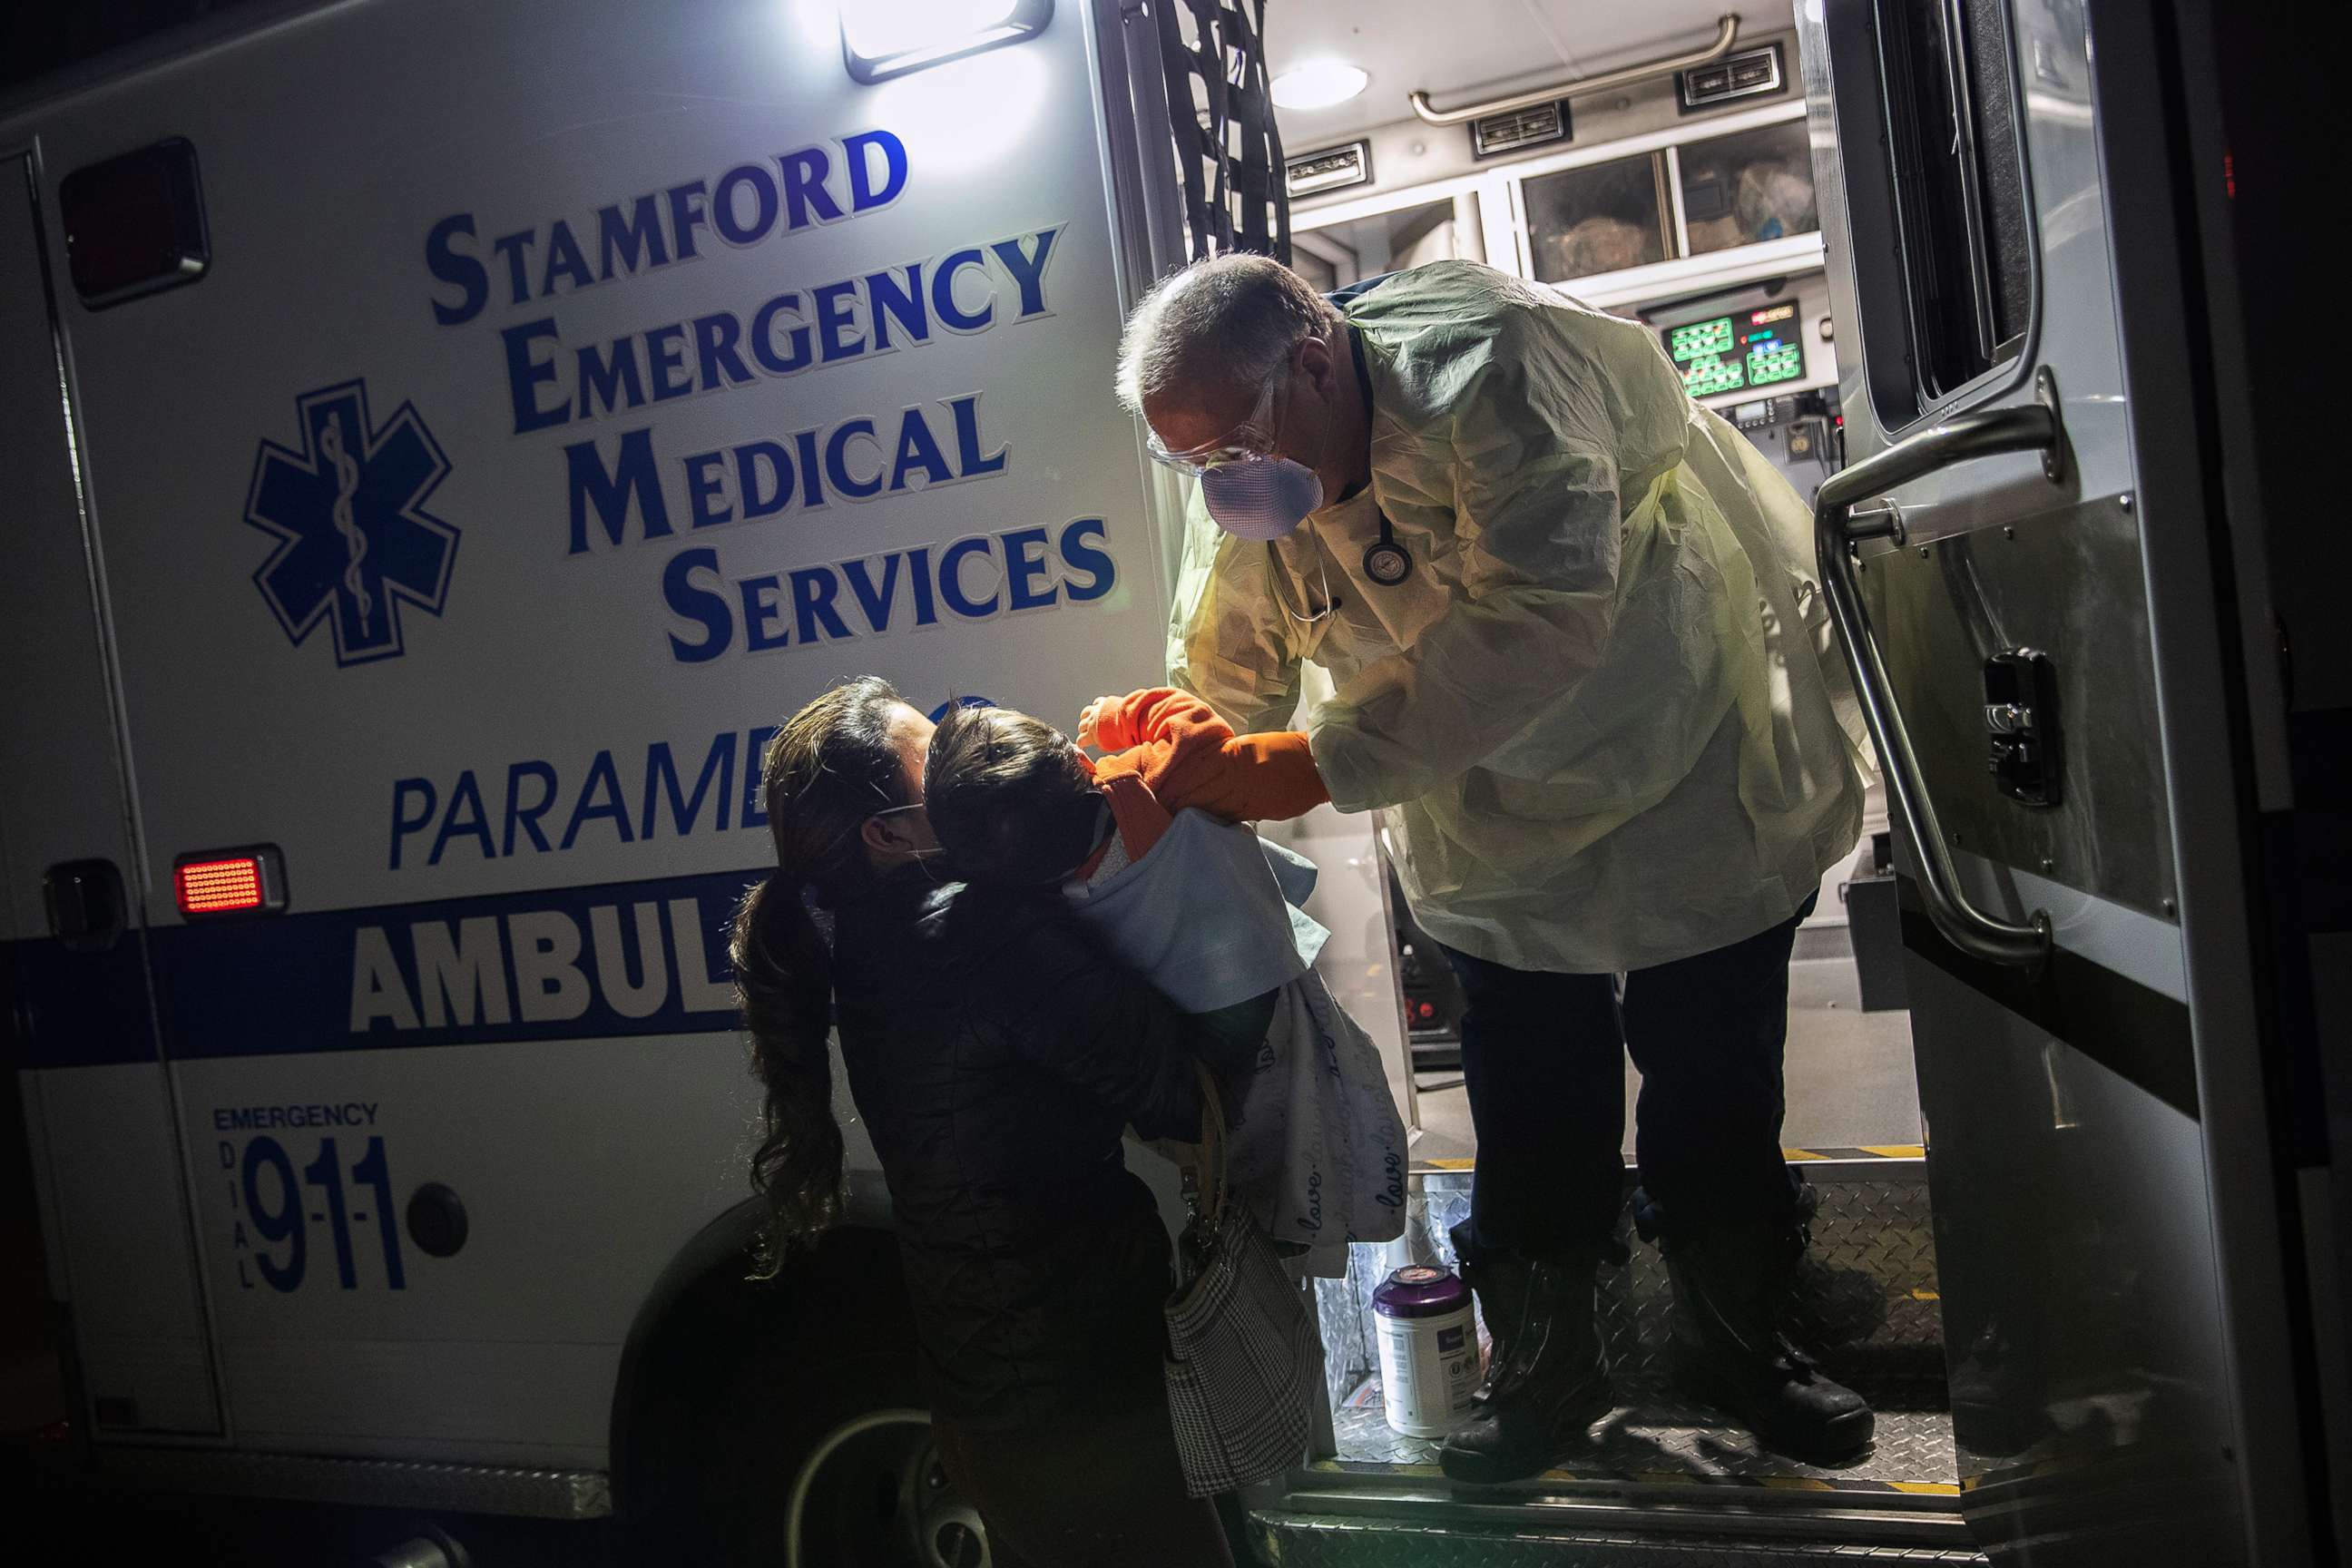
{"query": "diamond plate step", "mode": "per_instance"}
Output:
(1315, 1540)
(1585, 1518)
(1667, 1443)
(1866, 1302)
(1661, 1482)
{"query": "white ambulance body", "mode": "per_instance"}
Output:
(547, 402)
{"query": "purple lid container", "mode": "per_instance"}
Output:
(1421, 1291)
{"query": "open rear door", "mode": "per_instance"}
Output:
(2020, 565)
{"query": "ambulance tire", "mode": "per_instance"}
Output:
(770, 1411)
(867, 1489)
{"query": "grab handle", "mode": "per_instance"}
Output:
(2030, 427)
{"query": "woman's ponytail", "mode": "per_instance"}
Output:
(783, 981)
(831, 766)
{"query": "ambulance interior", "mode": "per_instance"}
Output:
(1682, 198)
(1682, 224)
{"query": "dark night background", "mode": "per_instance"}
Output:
(38, 37)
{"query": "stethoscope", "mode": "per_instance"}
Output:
(1386, 563)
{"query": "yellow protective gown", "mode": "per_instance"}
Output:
(1603, 717)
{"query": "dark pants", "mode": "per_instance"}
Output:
(1543, 1056)
(1085, 1493)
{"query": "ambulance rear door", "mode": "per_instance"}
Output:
(2021, 560)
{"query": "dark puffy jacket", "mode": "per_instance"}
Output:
(995, 1055)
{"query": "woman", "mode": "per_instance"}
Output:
(995, 1058)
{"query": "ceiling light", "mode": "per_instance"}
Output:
(1318, 84)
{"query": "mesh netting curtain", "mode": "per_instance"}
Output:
(1228, 152)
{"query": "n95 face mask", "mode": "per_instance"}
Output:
(1261, 498)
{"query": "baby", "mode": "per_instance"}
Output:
(1146, 847)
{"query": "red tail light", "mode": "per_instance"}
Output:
(230, 882)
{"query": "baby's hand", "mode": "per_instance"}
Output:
(1092, 714)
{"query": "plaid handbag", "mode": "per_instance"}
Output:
(1242, 1351)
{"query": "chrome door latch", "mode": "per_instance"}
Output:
(2021, 713)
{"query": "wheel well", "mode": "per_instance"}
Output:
(706, 1322)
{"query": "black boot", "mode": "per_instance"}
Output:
(1548, 1381)
(1728, 1351)
(1500, 1286)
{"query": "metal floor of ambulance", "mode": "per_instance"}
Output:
(1661, 1481)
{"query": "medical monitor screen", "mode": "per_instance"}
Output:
(1732, 353)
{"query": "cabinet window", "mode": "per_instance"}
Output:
(1321, 275)
(1749, 187)
(1603, 217)
(1332, 256)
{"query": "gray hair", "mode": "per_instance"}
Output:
(1222, 325)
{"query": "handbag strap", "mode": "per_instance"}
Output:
(1212, 1167)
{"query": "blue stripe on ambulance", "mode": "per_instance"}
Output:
(618, 959)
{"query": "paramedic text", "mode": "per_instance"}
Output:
(534, 789)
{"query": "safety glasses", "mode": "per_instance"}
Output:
(1251, 441)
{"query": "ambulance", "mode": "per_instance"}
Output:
(441, 442)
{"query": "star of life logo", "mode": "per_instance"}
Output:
(347, 509)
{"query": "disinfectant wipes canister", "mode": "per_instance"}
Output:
(1429, 1350)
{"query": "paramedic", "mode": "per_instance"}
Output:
(995, 1058)
(1581, 667)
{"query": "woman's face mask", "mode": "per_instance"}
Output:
(924, 845)
(1249, 492)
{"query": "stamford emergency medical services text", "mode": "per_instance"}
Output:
(620, 489)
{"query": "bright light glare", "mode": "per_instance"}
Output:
(1318, 84)
(880, 28)
(967, 115)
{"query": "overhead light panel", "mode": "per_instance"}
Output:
(1331, 169)
(1318, 84)
(884, 38)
